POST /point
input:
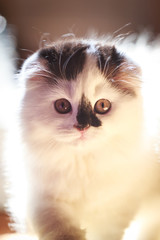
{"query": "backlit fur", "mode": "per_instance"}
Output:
(69, 185)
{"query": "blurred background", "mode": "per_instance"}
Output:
(32, 22)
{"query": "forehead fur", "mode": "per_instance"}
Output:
(67, 60)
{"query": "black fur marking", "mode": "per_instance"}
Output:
(65, 61)
(109, 61)
(85, 115)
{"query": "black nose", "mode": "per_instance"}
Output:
(82, 127)
(86, 116)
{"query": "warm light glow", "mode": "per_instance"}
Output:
(147, 57)
(133, 231)
(17, 237)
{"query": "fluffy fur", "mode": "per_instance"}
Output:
(67, 184)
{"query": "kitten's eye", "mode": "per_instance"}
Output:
(62, 106)
(102, 106)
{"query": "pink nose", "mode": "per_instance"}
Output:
(80, 127)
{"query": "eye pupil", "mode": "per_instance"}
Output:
(102, 106)
(62, 106)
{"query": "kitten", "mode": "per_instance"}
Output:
(83, 158)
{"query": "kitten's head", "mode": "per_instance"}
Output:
(79, 92)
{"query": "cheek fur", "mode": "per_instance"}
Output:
(124, 121)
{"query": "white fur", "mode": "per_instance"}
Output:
(103, 182)
(7, 69)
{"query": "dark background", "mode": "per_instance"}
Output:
(34, 20)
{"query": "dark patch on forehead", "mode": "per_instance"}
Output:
(65, 61)
(109, 61)
(85, 115)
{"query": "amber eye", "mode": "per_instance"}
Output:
(102, 106)
(62, 106)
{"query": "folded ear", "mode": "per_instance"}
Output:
(30, 67)
(118, 69)
(34, 71)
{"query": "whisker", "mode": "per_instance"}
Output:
(26, 50)
(43, 75)
(115, 69)
(67, 61)
(121, 37)
(60, 59)
(48, 72)
(121, 28)
(49, 75)
(105, 70)
(100, 64)
(45, 70)
(125, 81)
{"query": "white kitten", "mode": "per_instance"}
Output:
(83, 160)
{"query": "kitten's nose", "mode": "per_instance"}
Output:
(81, 127)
